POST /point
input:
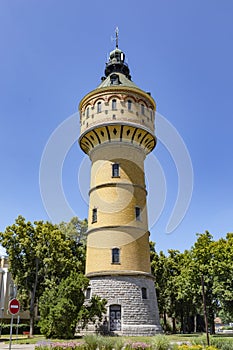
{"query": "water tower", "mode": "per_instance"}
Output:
(117, 133)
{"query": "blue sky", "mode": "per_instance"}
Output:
(53, 52)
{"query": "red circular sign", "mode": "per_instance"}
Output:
(13, 306)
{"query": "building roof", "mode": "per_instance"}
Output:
(117, 72)
(117, 79)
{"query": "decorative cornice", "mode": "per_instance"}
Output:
(112, 227)
(144, 138)
(116, 89)
(116, 184)
(120, 273)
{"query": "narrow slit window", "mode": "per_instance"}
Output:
(151, 115)
(129, 103)
(94, 215)
(99, 107)
(142, 109)
(138, 213)
(87, 112)
(115, 170)
(144, 293)
(114, 105)
(115, 256)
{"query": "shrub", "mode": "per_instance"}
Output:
(67, 346)
(227, 328)
(91, 340)
(119, 343)
(5, 328)
(222, 344)
(60, 346)
(137, 346)
(190, 347)
(42, 347)
(199, 341)
(105, 343)
(160, 342)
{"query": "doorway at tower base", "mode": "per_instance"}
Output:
(132, 308)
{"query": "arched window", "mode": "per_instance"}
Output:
(115, 256)
(99, 107)
(114, 103)
(129, 104)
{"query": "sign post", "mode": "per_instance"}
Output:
(13, 308)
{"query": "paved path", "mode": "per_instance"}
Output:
(17, 346)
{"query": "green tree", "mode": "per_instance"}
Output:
(38, 254)
(174, 288)
(92, 311)
(173, 267)
(159, 270)
(187, 306)
(203, 260)
(166, 270)
(226, 316)
(222, 268)
(62, 305)
(178, 282)
(76, 229)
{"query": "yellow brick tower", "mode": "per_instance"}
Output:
(117, 132)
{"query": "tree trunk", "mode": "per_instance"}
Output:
(32, 315)
(195, 323)
(212, 324)
(212, 327)
(205, 310)
(182, 330)
(165, 320)
(32, 301)
(173, 325)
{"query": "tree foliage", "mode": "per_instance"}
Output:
(178, 282)
(47, 263)
(62, 305)
(75, 229)
(38, 254)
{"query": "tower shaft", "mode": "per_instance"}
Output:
(121, 215)
(117, 132)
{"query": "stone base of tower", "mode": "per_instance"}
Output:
(132, 308)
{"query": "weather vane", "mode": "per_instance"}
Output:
(116, 37)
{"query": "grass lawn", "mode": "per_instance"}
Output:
(22, 339)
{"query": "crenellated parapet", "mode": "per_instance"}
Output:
(117, 114)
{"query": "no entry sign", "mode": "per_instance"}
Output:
(13, 306)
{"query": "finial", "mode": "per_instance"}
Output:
(117, 35)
